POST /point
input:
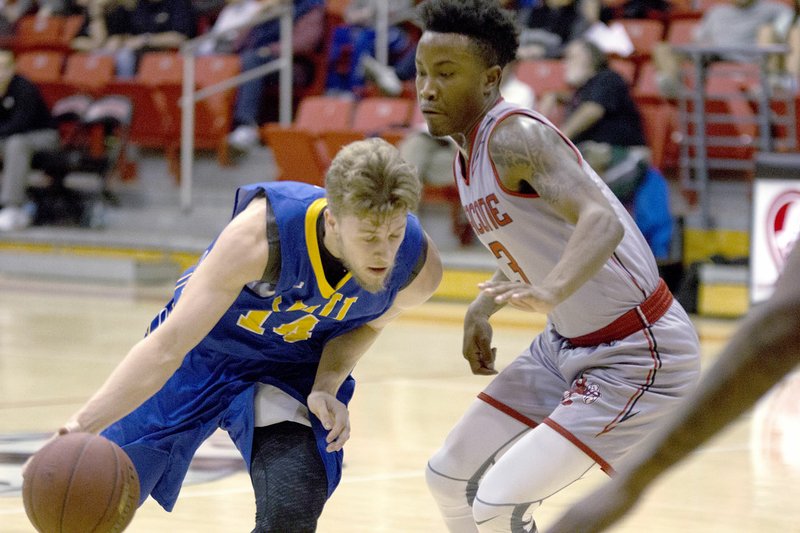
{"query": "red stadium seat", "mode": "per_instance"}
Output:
(39, 33)
(320, 113)
(373, 116)
(543, 75)
(681, 31)
(88, 72)
(644, 34)
(295, 154)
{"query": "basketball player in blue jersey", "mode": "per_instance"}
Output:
(617, 354)
(764, 349)
(262, 334)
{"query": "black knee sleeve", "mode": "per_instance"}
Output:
(288, 478)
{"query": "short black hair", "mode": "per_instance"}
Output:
(490, 26)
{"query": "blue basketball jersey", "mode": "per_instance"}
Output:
(273, 333)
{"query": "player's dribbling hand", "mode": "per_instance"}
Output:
(61, 431)
(334, 417)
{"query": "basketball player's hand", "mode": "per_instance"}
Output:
(477, 347)
(61, 431)
(334, 417)
(520, 295)
(598, 511)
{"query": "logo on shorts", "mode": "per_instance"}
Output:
(583, 390)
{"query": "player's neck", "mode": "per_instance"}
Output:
(464, 139)
(332, 265)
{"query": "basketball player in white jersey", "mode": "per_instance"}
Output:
(618, 352)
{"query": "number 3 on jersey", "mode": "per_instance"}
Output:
(500, 252)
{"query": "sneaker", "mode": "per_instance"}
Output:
(384, 77)
(13, 218)
(244, 138)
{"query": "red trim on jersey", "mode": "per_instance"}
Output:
(526, 113)
(513, 413)
(604, 466)
(497, 174)
(638, 318)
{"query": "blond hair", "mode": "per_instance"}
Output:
(369, 178)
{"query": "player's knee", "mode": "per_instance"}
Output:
(445, 489)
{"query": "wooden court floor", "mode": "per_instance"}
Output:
(59, 341)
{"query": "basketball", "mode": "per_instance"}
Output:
(78, 483)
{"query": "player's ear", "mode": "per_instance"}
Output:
(330, 220)
(491, 78)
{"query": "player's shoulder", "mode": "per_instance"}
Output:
(518, 130)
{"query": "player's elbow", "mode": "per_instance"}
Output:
(166, 351)
(605, 223)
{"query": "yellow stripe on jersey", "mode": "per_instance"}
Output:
(312, 243)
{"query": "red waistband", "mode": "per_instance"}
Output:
(632, 321)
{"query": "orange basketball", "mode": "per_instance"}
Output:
(80, 483)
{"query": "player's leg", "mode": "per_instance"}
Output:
(288, 478)
(538, 465)
(515, 401)
(471, 448)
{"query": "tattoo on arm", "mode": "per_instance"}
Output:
(532, 153)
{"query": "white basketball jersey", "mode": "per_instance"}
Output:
(528, 238)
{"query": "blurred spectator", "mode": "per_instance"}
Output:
(740, 23)
(634, 9)
(206, 13)
(603, 121)
(101, 20)
(25, 127)
(609, 35)
(261, 46)
(357, 36)
(652, 214)
(233, 14)
(149, 25)
(601, 118)
(548, 27)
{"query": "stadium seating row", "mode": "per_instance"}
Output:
(155, 92)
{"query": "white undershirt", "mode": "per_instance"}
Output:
(273, 406)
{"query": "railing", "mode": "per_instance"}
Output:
(694, 145)
(283, 63)
(190, 96)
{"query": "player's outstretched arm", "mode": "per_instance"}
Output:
(340, 355)
(238, 257)
(764, 349)
(532, 157)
